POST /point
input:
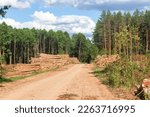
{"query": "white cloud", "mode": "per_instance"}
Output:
(21, 4)
(45, 17)
(47, 20)
(11, 22)
(146, 8)
(101, 4)
(83, 4)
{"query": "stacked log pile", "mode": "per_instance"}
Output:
(48, 61)
(42, 63)
(102, 61)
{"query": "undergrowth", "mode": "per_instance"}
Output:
(123, 73)
(4, 80)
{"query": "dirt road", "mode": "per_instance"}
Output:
(73, 82)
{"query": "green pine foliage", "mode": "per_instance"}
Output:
(117, 33)
(19, 45)
(3, 10)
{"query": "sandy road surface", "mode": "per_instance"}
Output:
(74, 82)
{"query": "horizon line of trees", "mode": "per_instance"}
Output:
(123, 33)
(19, 45)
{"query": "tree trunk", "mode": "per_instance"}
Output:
(3, 54)
(105, 45)
(109, 48)
(147, 33)
(0, 55)
(0, 65)
(49, 46)
(0, 58)
(44, 45)
(131, 45)
(40, 44)
(10, 59)
(137, 48)
(28, 54)
(37, 48)
(127, 51)
(115, 51)
(14, 52)
(79, 51)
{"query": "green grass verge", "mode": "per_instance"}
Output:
(2, 80)
(12, 79)
(101, 75)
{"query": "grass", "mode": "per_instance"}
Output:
(12, 79)
(101, 74)
(2, 80)
(18, 78)
(123, 74)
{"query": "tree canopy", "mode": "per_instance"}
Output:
(123, 33)
(3, 10)
(19, 45)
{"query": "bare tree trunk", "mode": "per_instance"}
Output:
(44, 45)
(147, 33)
(49, 46)
(109, 48)
(79, 51)
(0, 55)
(28, 54)
(105, 43)
(0, 65)
(14, 54)
(131, 45)
(10, 59)
(3, 54)
(40, 44)
(115, 51)
(124, 50)
(66, 49)
(127, 52)
(37, 48)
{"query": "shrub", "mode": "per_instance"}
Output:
(124, 73)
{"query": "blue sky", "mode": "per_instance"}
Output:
(24, 14)
(69, 15)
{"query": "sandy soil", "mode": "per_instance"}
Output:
(74, 82)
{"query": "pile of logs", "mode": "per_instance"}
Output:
(42, 63)
(102, 61)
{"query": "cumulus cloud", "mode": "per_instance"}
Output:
(47, 20)
(102, 4)
(45, 17)
(83, 4)
(21, 4)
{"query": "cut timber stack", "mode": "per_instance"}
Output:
(101, 61)
(50, 61)
(42, 63)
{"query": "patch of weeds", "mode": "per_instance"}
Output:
(101, 74)
(3, 80)
(12, 79)
(18, 78)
